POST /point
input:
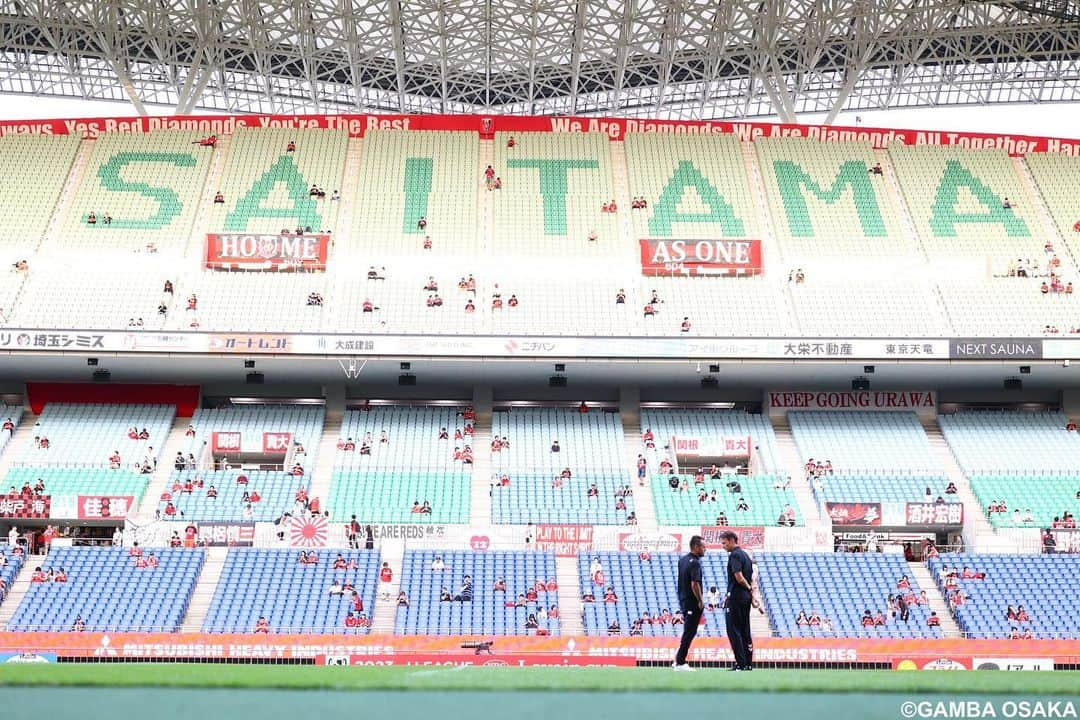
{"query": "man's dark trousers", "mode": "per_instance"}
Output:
(737, 617)
(691, 620)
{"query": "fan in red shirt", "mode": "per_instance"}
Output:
(39, 576)
(386, 574)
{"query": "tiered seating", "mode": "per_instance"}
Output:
(405, 175)
(294, 598)
(487, 614)
(1026, 459)
(839, 587)
(876, 456)
(251, 301)
(266, 188)
(551, 212)
(401, 303)
(35, 168)
(13, 413)
(752, 307)
(695, 187)
(81, 440)
(149, 183)
(824, 201)
(9, 570)
(86, 435)
(1002, 307)
(1044, 584)
(591, 446)
(109, 593)
(414, 466)
(62, 293)
(276, 488)
(1058, 179)
(880, 309)
(682, 508)
(955, 198)
(647, 586)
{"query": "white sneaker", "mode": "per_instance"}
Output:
(683, 668)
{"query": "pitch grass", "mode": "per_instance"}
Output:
(661, 679)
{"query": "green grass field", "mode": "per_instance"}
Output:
(496, 679)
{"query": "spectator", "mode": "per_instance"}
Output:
(742, 505)
(465, 593)
(79, 625)
(385, 573)
(531, 622)
(437, 565)
(1021, 614)
(613, 628)
(802, 620)
(555, 446)
(867, 619)
(262, 625)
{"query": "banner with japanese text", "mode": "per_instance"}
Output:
(105, 507)
(951, 513)
(849, 513)
(750, 537)
(25, 508)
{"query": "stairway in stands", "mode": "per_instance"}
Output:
(19, 589)
(566, 574)
(159, 480)
(205, 587)
(921, 574)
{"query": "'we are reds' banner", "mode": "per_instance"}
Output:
(614, 128)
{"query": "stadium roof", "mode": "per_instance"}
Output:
(685, 59)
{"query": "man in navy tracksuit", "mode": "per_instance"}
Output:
(691, 600)
(740, 598)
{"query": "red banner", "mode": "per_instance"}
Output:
(244, 251)
(614, 128)
(35, 508)
(269, 647)
(222, 442)
(474, 660)
(276, 443)
(842, 513)
(564, 540)
(750, 538)
(700, 257)
(854, 400)
(934, 513)
(105, 507)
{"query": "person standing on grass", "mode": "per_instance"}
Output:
(691, 599)
(740, 598)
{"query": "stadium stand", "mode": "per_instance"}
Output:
(1009, 306)
(695, 187)
(646, 587)
(751, 307)
(35, 169)
(956, 199)
(63, 288)
(553, 193)
(765, 500)
(839, 587)
(590, 446)
(277, 488)
(882, 308)
(415, 466)
(406, 175)
(268, 189)
(1057, 177)
(1043, 585)
(9, 568)
(1026, 460)
(251, 301)
(106, 589)
(825, 201)
(78, 459)
(875, 456)
(141, 188)
(9, 413)
(292, 596)
(490, 612)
